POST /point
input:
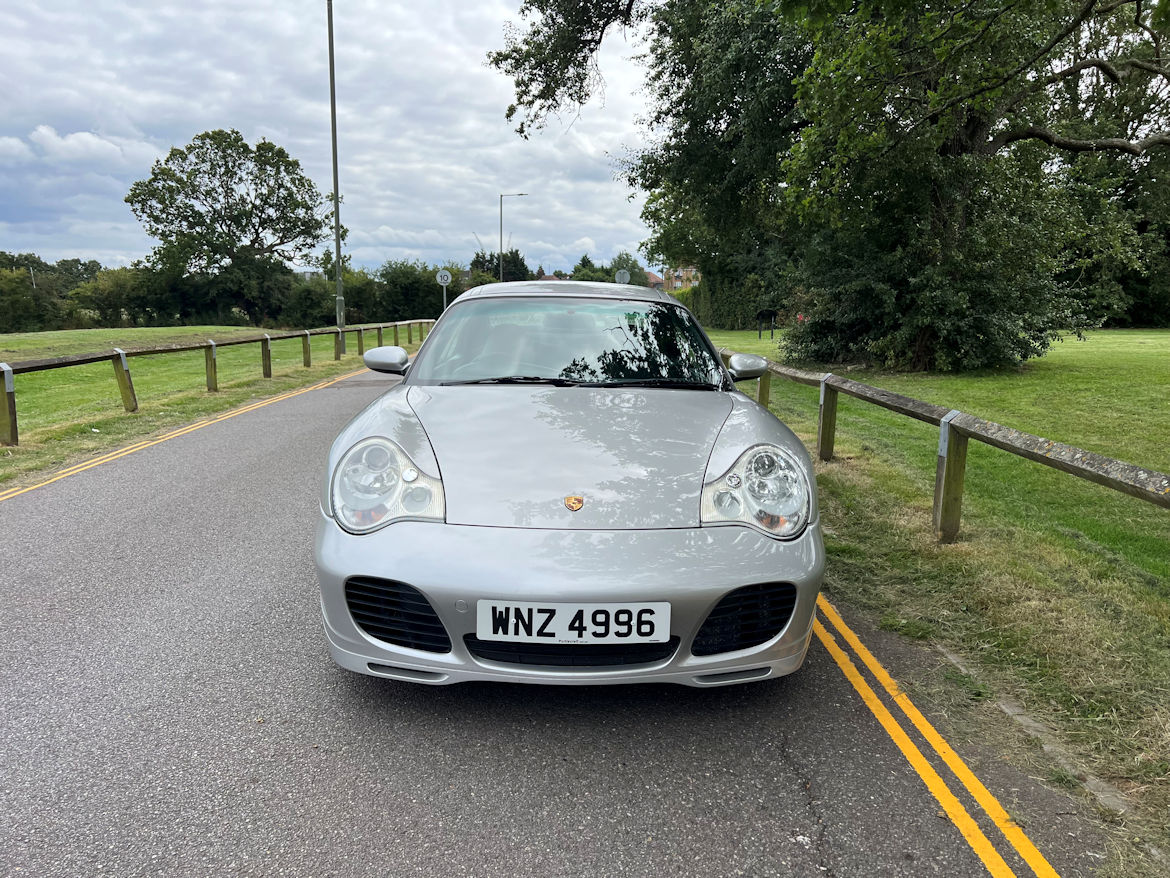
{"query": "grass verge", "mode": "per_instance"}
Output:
(1058, 590)
(65, 414)
(62, 343)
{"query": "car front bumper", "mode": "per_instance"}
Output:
(455, 566)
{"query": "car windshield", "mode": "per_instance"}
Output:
(568, 341)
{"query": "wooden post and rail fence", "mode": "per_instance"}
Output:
(955, 429)
(10, 434)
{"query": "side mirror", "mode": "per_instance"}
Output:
(745, 366)
(390, 359)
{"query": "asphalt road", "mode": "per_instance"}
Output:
(167, 707)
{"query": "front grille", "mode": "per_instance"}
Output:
(745, 618)
(590, 655)
(396, 613)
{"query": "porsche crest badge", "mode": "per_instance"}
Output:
(574, 504)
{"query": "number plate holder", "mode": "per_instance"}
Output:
(572, 623)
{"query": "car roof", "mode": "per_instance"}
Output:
(569, 289)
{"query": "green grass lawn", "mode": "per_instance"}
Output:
(1059, 589)
(61, 343)
(1108, 393)
(67, 413)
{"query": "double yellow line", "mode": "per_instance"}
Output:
(174, 434)
(954, 809)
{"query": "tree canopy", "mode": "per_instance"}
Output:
(74, 294)
(33, 292)
(486, 266)
(554, 63)
(588, 270)
(931, 187)
(218, 202)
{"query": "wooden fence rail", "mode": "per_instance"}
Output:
(9, 433)
(955, 429)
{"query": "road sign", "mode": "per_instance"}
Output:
(622, 277)
(442, 278)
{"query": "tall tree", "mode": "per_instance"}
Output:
(21, 308)
(938, 229)
(629, 262)
(724, 111)
(487, 265)
(110, 295)
(904, 172)
(587, 269)
(554, 62)
(219, 200)
(36, 292)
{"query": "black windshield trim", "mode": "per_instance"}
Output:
(660, 383)
(515, 379)
(668, 383)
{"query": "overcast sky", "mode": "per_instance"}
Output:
(93, 91)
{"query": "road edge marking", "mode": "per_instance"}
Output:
(953, 808)
(141, 445)
(987, 801)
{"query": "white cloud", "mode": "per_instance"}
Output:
(91, 150)
(96, 94)
(13, 150)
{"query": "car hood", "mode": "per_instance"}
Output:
(510, 456)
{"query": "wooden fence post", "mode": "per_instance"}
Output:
(125, 385)
(948, 481)
(422, 332)
(8, 432)
(209, 362)
(764, 393)
(361, 334)
(379, 335)
(266, 355)
(827, 420)
(337, 345)
(396, 334)
(409, 333)
(306, 350)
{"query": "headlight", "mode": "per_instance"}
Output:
(765, 488)
(376, 483)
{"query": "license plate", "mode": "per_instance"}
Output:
(521, 622)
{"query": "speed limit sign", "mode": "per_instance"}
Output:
(442, 278)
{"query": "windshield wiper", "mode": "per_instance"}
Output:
(654, 382)
(516, 379)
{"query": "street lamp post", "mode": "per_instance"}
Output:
(504, 195)
(336, 192)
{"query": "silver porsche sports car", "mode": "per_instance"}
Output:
(566, 487)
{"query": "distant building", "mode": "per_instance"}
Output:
(653, 281)
(681, 278)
